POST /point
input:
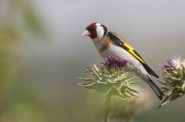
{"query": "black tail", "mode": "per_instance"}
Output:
(155, 88)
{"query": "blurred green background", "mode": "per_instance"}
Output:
(42, 54)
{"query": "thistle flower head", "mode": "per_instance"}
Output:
(111, 77)
(173, 72)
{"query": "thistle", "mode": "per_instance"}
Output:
(173, 72)
(113, 77)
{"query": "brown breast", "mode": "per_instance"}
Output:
(106, 43)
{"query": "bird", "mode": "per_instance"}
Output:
(109, 43)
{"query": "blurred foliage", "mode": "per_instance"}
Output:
(28, 16)
(82, 107)
(9, 45)
(24, 108)
(125, 109)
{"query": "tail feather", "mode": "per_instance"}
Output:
(155, 88)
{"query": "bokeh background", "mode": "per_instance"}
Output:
(42, 54)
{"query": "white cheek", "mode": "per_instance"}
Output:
(100, 32)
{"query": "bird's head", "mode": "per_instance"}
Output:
(95, 31)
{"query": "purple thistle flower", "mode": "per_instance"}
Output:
(168, 64)
(115, 62)
(172, 63)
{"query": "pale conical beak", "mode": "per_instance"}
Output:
(85, 33)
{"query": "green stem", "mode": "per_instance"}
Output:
(107, 103)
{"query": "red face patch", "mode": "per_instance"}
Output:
(92, 29)
(93, 25)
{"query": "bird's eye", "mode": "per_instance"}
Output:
(92, 29)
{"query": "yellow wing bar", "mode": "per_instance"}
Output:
(133, 52)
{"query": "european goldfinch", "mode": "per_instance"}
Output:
(111, 44)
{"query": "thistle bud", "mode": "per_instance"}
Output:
(173, 72)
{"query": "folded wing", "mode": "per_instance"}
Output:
(120, 42)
